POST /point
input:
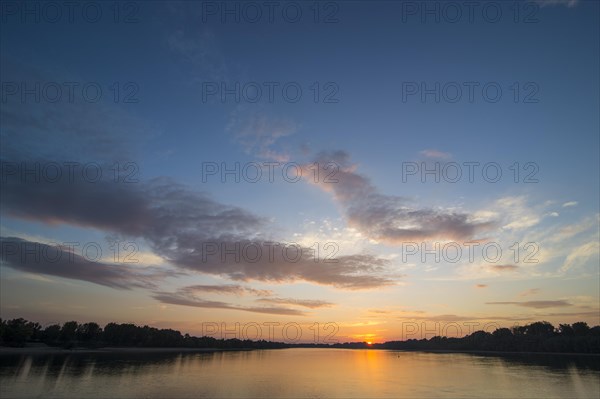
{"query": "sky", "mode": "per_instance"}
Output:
(301, 171)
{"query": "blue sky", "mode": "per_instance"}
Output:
(364, 59)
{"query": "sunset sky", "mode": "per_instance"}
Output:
(360, 105)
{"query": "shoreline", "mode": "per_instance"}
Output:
(477, 352)
(50, 350)
(5, 350)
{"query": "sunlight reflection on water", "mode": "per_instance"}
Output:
(299, 373)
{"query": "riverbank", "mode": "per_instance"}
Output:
(476, 352)
(49, 350)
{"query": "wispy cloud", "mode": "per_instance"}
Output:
(258, 134)
(535, 304)
(568, 3)
(188, 296)
(504, 268)
(518, 216)
(307, 303)
(435, 154)
(39, 258)
(179, 225)
(226, 289)
(184, 300)
(387, 218)
(581, 255)
(517, 318)
(531, 291)
(380, 311)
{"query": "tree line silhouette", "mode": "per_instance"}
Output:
(19, 332)
(539, 336)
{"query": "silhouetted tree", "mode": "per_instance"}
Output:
(89, 334)
(580, 328)
(68, 334)
(565, 330)
(16, 332)
(540, 336)
(51, 334)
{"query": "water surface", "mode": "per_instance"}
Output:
(299, 373)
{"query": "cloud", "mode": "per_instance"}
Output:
(258, 134)
(183, 300)
(481, 286)
(187, 296)
(568, 3)
(570, 204)
(436, 154)
(566, 232)
(379, 311)
(182, 226)
(504, 268)
(571, 314)
(581, 255)
(449, 318)
(531, 291)
(519, 215)
(54, 260)
(524, 222)
(452, 318)
(360, 271)
(159, 210)
(226, 289)
(534, 304)
(389, 218)
(307, 303)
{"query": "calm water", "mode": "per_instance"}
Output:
(299, 373)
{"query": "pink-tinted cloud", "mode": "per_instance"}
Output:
(180, 225)
(390, 219)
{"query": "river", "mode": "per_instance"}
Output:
(299, 373)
